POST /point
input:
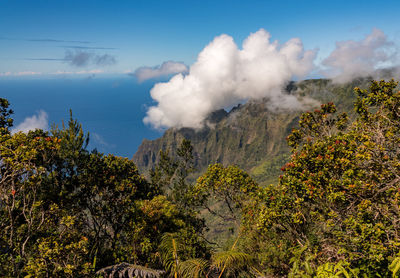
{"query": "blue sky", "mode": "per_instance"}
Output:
(35, 36)
(101, 44)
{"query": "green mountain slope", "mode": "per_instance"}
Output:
(252, 135)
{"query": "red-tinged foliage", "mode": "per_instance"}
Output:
(341, 192)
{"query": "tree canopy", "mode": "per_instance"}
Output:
(66, 211)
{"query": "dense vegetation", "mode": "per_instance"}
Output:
(70, 212)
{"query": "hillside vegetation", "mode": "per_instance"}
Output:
(334, 211)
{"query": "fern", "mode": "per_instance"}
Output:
(130, 271)
(193, 268)
(169, 247)
(232, 260)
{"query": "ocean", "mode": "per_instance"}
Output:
(110, 109)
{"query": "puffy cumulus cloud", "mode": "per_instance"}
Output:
(167, 68)
(80, 58)
(352, 59)
(39, 121)
(225, 75)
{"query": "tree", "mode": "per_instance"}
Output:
(61, 252)
(338, 198)
(171, 175)
(159, 216)
(230, 186)
(181, 187)
(66, 211)
(110, 188)
(61, 207)
(5, 120)
(23, 207)
(72, 158)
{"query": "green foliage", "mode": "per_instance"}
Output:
(394, 267)
(164, 172)
(303, 267)
(62, 253)
(230, 185)
(5, 121)
(67, 212)
(269, 170)
(171, 175)
(181, 186)
(169, 247)
(232, 262)
(23, 176)
(110, 188)
(161, 220)
(194, 268)
(339, 193)
(74, 140)
(340, 269)
(224, 195)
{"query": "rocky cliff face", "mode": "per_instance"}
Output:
(252, 135)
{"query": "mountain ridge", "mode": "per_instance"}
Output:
(251, 135)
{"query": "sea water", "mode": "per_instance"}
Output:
(110, 109)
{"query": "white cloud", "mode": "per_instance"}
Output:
(20, 73)
(353, 59)
(94, 71)
(167, 68)
(89, 71)
(39, 121)
(224, 75)
(23, 73)
(98, 139)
